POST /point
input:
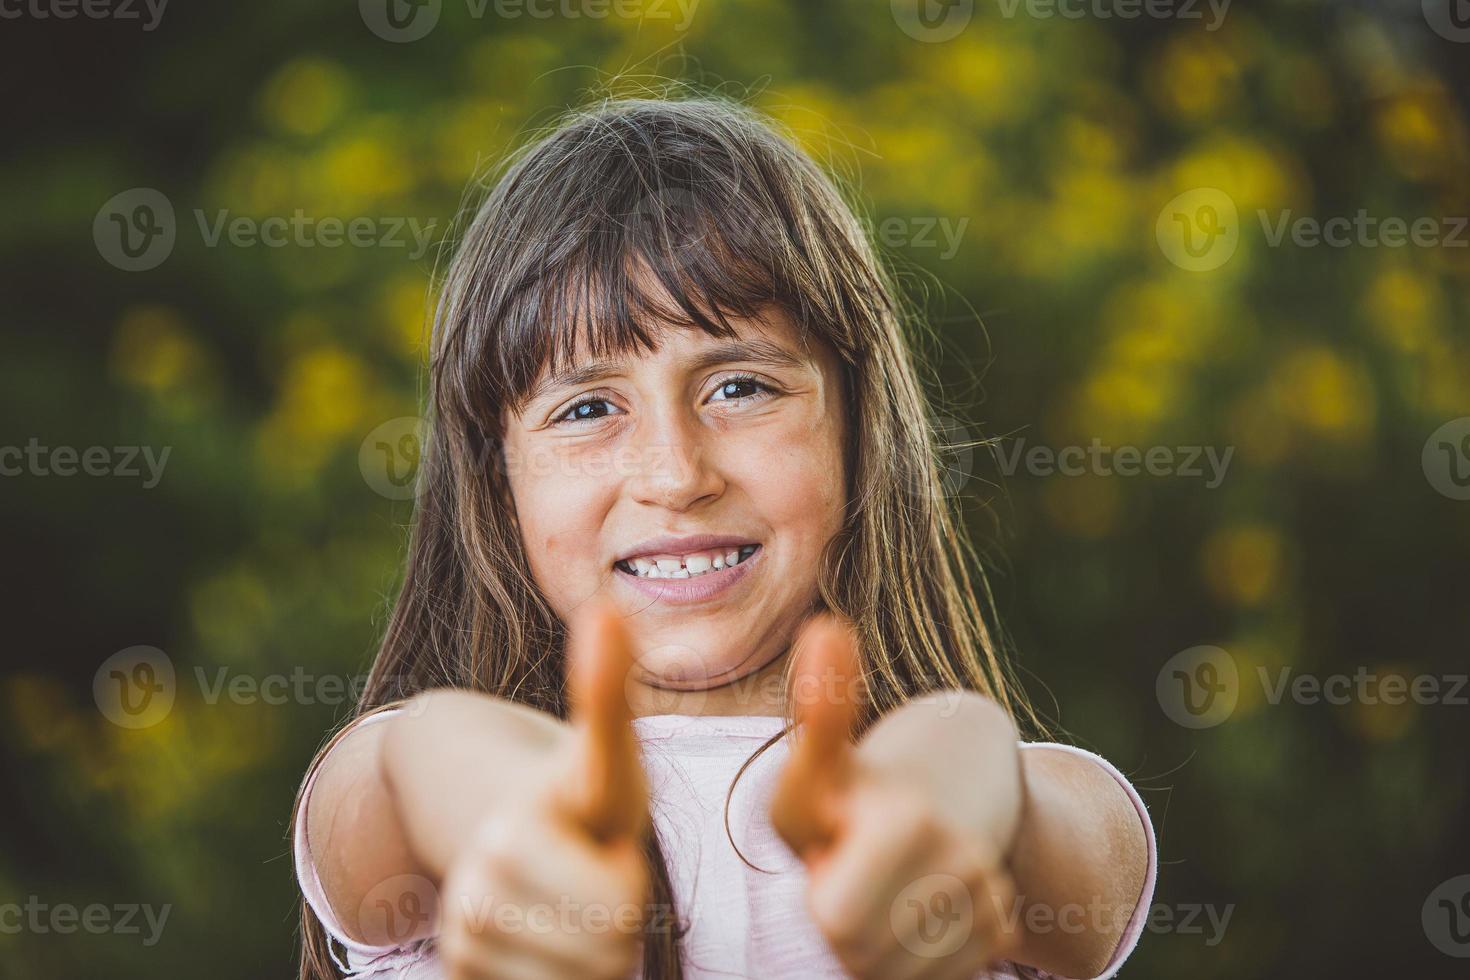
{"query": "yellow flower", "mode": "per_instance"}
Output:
(152, 349)
(1421, 131)
(1196, 77)
(324, 396)
(1404, 308)
(305, 96)
(1325, 395)
(1243, 565)
(408, 310)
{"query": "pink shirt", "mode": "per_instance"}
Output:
(742, 922)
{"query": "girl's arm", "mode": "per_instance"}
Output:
(935, 847)
(401, 796)
(1077, 850)
(488, 809)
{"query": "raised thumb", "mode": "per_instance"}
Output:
(826, 697)
(606, 790)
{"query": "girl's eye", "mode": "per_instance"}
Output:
(593, 407)
(586, 410)
(736, 389)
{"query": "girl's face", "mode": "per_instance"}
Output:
(696, 485)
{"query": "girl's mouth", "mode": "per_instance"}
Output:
(689, 578)
(694, 565)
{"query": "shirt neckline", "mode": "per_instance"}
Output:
(670, 726)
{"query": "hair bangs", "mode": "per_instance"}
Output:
(641, 276)
(648, 232)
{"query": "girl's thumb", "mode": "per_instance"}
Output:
(826, 695)
(605, 791)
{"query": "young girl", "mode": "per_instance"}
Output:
(688, 676)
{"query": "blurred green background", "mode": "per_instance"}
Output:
(1020, 174)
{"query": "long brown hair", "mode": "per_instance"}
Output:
(730, 218)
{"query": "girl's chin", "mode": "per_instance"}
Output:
(688, 674)
(687, 666)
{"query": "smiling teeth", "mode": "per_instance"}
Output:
(690, 566)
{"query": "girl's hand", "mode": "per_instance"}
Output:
(556, 885)
(899, 885)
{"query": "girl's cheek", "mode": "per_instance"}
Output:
(561, 514)
(801, 480)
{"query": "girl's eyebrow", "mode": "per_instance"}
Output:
(755, 349)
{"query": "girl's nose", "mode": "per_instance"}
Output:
(673, 465)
